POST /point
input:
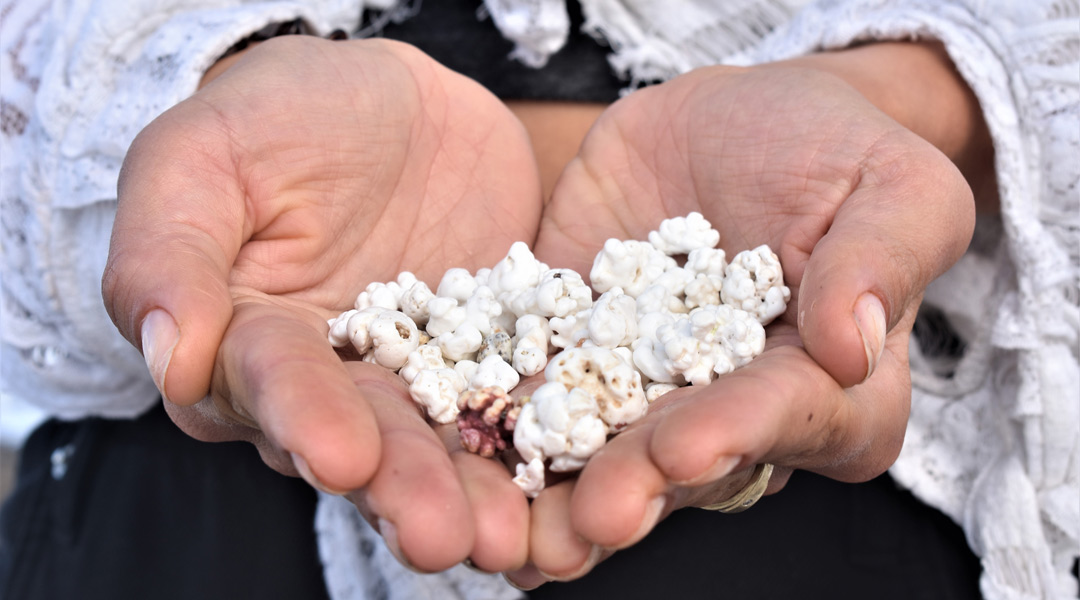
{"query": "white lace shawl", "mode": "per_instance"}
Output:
(994, 445)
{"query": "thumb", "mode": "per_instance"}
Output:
(178, 227)
(901, 228)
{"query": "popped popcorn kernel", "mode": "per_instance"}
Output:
(681, 235)
(656, 326)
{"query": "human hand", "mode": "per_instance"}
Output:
(253, 211)
(863, 213)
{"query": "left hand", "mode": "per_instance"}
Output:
(863, 213)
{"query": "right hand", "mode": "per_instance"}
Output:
(261, 206)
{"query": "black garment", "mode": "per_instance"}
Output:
(450, 32)
(818, 539)
(119, 510)
(142, 511)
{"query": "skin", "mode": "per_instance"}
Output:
(262, 206)
(856, 199)
(255, 210)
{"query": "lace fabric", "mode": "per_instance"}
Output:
(993, 439)
(995, 444)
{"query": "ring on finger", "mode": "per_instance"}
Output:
(749, 495)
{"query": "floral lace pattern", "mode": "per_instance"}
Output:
(995, 443)
(993, 440)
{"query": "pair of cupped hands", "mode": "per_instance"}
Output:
(255, 210)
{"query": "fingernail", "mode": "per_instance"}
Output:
(870, 319)
(590, 561)
(526, 578)
(304, 469)
(648, 521)
(719, 469)
(159, 337)
(389, 536)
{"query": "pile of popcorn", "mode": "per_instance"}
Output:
(655, 326)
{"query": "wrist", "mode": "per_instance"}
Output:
(917, 85)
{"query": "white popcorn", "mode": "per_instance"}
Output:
(338, 335)
(482, 309)
(493, 371)
(515, 274)
(405, 280)
(482, 276)
(351, 326)
(414, 302)
(393, 336)
(703, 290)
(530, 477)
(437, 390)
(711, 340)
(652, 361)
(613, 321)
(706, 261)
(656, 326)
(754, 282)
(605, 376)
(626, 354)
(669, 354)
(630, 265)
(382, 295)
(467, 369)
(559, 293)
(659, 299)
(740, 334)
(461, 343)
(444, 315)
(681, 235)
(532, 330)
(532, 342)
(674, 279)
(559, 424)
(456, 283)
(568, 331)
(650, 323)
(656, 389)
(686, 356)
(426, 357)
(529, 360)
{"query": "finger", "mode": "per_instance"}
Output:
(783, 408)
(277, 373)
(177, 231)
(555, 548)
(526, 578)
(500, 511)
(909, 220)
(414, 499)
(621, 495)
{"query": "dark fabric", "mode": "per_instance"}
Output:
(816, 539)
(143, 511)
(450, 32)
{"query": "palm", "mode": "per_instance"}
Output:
(348, 185)
(304, 172)
(777, 156)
